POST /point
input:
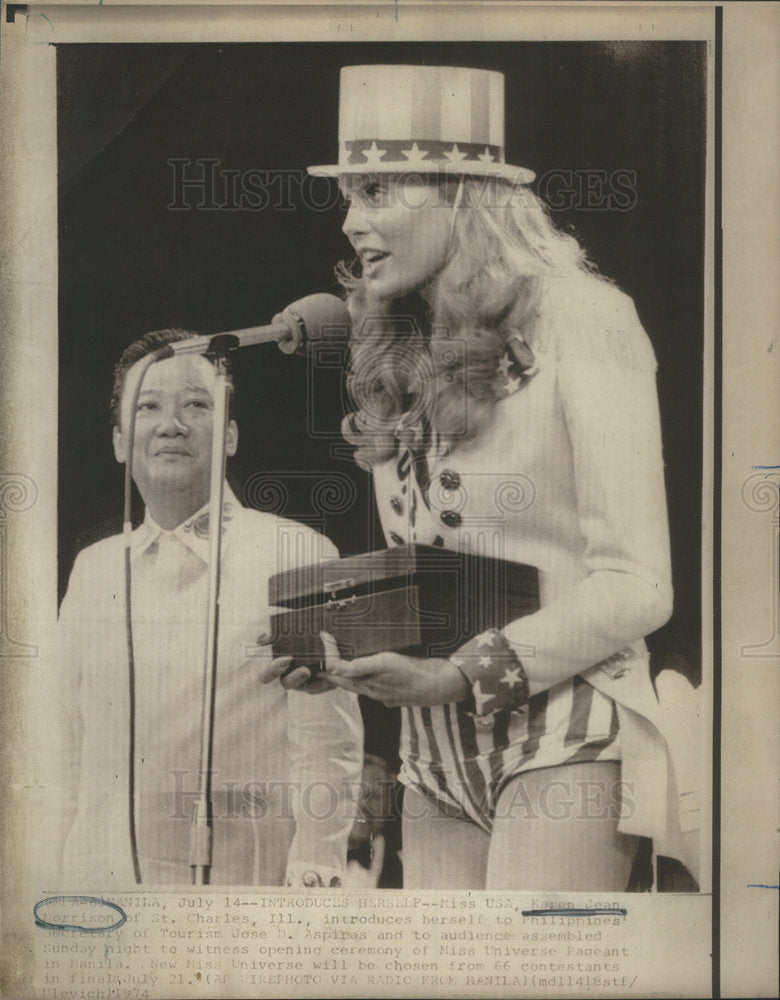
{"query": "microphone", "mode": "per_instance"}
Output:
(312, 318)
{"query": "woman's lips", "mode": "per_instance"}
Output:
(372, 260)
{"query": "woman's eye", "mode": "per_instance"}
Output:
(198, 404)
(146, 406)
(374, 191)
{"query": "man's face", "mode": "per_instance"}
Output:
(173, 429)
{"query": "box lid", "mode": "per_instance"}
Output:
(387, 568)
(311, 584)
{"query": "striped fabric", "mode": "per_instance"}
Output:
(465, 767)
(448, 103)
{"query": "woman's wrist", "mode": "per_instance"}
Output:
(466, 694)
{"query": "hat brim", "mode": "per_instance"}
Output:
(516, 175)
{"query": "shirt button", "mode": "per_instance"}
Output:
(398, 507)
(450, 480)
(451, 518)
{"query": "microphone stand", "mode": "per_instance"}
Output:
(202, 820)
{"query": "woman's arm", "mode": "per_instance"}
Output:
(606, 382)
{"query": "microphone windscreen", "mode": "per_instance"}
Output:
(323, 316)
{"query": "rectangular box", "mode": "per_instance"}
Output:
(415, 599)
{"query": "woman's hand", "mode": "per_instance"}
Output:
(271, 668)
(396, 679)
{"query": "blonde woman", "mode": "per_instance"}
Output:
(505, 404)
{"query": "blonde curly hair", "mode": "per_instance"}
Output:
(419, 364)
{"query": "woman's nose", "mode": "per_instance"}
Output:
(355, 223)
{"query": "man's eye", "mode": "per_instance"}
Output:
(148, 405)
(373, 191)
(198, 404)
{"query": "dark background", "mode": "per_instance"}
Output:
(130, 263)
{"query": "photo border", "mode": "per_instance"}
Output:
(29, 608)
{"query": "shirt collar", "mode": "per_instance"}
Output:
(194, 532)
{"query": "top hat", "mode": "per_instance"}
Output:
(422, 119)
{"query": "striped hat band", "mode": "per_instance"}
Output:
(376, 152)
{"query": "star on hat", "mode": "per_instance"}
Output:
(373, 154)
(415, 153)
(454, 155)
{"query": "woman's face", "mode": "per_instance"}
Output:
(400, 229)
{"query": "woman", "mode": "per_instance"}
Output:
(506, 405)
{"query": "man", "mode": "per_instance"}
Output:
(285, 765)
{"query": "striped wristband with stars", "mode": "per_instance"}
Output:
(496, 675)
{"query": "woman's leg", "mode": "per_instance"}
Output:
(556, 829)
(439, 852)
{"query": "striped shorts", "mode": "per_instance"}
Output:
(464, 767)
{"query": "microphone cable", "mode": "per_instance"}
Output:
(127, 528)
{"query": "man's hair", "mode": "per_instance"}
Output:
(147, 344)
